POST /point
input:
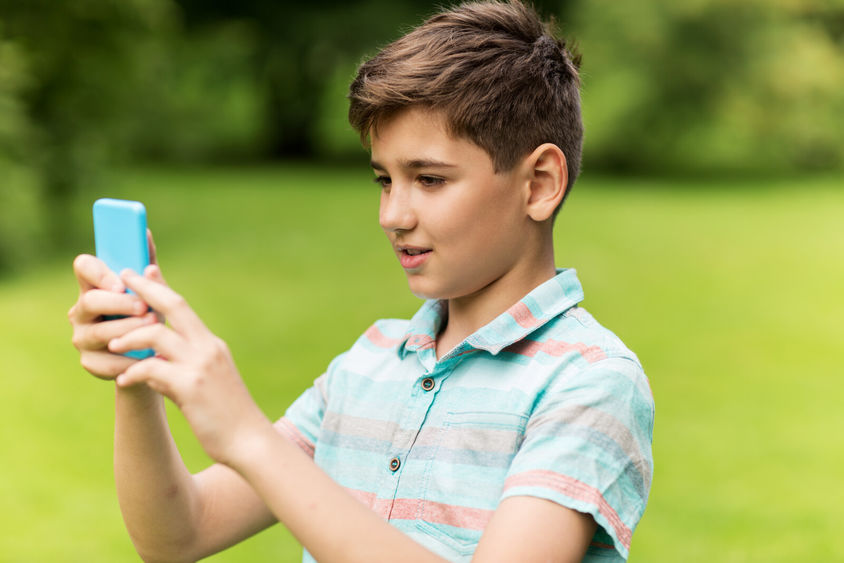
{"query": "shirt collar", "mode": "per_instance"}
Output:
(545, 302)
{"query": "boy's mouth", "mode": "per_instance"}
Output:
(413, 258)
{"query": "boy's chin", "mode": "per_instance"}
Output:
(430, 291)
(423, 294)
(422, 291)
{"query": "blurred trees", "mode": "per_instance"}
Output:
(297, 52)
(69, 80)
(711, 85)
(702, 85)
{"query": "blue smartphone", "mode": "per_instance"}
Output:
(120, 236)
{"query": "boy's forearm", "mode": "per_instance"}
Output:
(157, 494)
(331, 524)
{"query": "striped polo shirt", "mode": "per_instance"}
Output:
(543, 401)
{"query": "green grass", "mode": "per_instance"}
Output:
(730, 292)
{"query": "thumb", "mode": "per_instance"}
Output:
(156, 372)
(153, 272)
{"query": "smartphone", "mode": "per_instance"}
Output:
(120, 236)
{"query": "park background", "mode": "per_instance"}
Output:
(706, 227)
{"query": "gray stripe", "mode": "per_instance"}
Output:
(471, 438)
(359, 426)
(563, 421)
(462, 456)
(378, 435)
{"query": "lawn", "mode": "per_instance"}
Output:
(729, 291)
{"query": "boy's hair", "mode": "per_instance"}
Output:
(496, 71)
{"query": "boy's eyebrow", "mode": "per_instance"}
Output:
(416, 164)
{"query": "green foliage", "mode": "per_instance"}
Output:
(706, 86)
(200, 98)
(712, 85)
(71, 82)
(21, 222)
(730, 293)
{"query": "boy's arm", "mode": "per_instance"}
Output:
(534, 529)
(170, 514)
(200, 377)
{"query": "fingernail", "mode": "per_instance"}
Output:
(140, 308)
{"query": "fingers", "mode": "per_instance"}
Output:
(153, 272)
(160, 375)
(91, 273)
(164, 341)
(95, 303)
(166, 301)
(103, 364)
(96, 336)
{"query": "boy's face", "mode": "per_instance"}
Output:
(457, 227)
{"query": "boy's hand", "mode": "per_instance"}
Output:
(101, 293)
(193, 368)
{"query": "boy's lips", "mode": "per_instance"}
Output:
(412, 257)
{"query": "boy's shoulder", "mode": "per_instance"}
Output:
(574, 332)
(577, 326)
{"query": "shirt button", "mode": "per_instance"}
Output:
(428, 383)
(395, 463)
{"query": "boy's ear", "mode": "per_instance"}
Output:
(548, 177)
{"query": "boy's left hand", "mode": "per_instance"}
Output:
(194, 369)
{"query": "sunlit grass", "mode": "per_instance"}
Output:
(731, 294)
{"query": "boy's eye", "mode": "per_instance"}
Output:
(383, 181)
(430, 180)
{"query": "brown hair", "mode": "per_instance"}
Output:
(496, 71)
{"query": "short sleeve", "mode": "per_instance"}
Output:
(587, 447)
(302, 421)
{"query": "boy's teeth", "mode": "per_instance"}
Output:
(413, 252)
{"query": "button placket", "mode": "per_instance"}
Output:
(413, 418)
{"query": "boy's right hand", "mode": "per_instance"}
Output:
(102, 293)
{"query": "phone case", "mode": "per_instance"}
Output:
(120, 236)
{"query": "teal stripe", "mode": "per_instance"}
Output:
(585, 416)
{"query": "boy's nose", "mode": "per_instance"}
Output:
(396, 212)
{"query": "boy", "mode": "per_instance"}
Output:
(501, 423)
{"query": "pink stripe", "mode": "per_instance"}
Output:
(530, 348)
(417, 509)
(577, 490)
(457, 516)
(522, 315)
(423, 341)
(381, 507)
(379, 339)
(289, 430)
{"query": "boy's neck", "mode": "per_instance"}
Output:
(469, 313)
